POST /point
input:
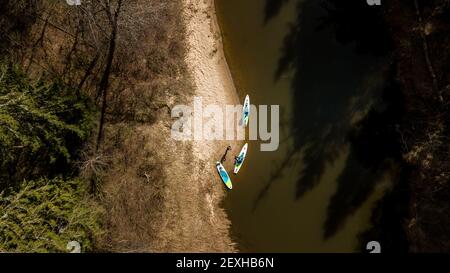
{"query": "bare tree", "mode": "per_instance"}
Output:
(113, 17)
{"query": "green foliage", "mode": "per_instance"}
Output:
(42, 125)
(44, 215)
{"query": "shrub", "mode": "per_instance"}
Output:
(44, 215)
(42, 126)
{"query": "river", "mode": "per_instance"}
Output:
(315, 193)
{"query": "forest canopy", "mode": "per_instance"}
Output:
(43, 126)
(45, 215)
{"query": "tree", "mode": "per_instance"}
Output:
(45, 215)
(42, 126)
(113, 17)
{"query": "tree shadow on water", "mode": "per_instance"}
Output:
(337, 53)
(272, 8)
(376, 147)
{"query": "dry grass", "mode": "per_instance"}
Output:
(133, 191)
(138, 174)
(129, 178)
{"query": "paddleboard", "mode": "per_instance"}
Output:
(242, 154)
(224, 175)
(246, 111)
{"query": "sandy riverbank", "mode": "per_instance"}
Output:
(198, 222)
(214, 85)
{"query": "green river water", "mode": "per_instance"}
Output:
(307, 196)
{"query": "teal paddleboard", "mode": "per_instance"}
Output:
(224, 175)
(246, 111)
(240, 159)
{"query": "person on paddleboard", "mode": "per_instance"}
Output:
(238, 160)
